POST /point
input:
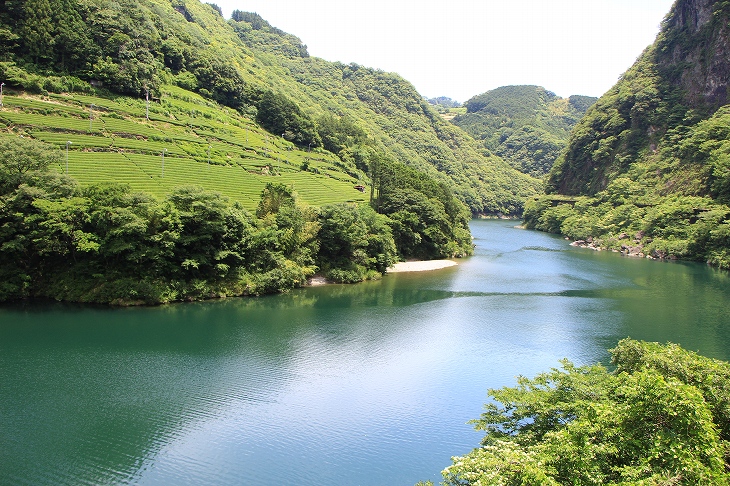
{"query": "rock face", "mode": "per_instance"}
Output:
(697, 46)
(684, 75)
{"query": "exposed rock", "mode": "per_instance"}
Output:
(704, 63)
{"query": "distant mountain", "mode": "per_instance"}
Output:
(358, 113)
(527, 126)
(444, 101)
(647, 169)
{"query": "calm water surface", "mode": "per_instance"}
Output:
(368, 384)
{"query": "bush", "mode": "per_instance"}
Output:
(661, 417)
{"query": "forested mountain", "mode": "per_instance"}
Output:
(647, 170)
(236, 104)
(527, 126)
(247, 64)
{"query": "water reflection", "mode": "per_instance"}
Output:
(346, 384)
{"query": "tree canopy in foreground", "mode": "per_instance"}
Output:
(661, 417)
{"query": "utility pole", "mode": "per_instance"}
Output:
(209, 155)
(1, 94)
(163, 162)
(67, 144)
(281, 155)
(91, 114)
(147, 98)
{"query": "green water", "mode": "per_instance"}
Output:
(367, 384)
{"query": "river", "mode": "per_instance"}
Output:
(367, 384)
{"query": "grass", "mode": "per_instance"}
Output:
(205, 144)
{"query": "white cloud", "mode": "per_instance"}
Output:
(461, 48)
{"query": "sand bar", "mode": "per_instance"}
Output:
(421, 266)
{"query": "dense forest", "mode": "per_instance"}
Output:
(130, 46)
(94, 240)
(528, 126)
(646, 170)
(103, 243)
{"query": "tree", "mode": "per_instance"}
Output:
(278, 114)
(214, 236)
(355, 243)
(23, 159)
(426, 218)
(273, 198)
(37, 29)
(25, 186)
(660, 418)
(285, 244)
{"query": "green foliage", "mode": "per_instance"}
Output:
(262, 72)
(624, 123)
(218, 78)
(23, 160)
(677, 227)
(163, 249)
(675, 200)
(711, 377)
(279, 115)
(528, 126)
(205, 143)
(671, 87)
(274, 197)
(444, 102)
(340, 133)
(659, 418)
(650, 159)
(356, 243)
(257, 33)
(426, 218)
(104, 243)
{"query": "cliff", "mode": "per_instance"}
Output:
(677, 82)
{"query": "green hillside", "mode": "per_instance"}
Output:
(119, 139)
(152, 151)
(647, 170)
(527, 126)
(259, 71)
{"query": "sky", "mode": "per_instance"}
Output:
(462, 48)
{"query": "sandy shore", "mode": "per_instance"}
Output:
(318, 280)
(420, 266)
(416, 266)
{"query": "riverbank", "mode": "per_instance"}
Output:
(421, 266)
(400, 267)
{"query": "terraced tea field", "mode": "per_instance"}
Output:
(180, 139)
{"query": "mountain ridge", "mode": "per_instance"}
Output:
(647, 171)
(526, 125)
(247, 64)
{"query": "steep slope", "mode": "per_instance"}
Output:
(678, 81)
(527, 126)
(647, 170)
(179, 139)
(245, 63)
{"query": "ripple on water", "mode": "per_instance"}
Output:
(368, 384)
